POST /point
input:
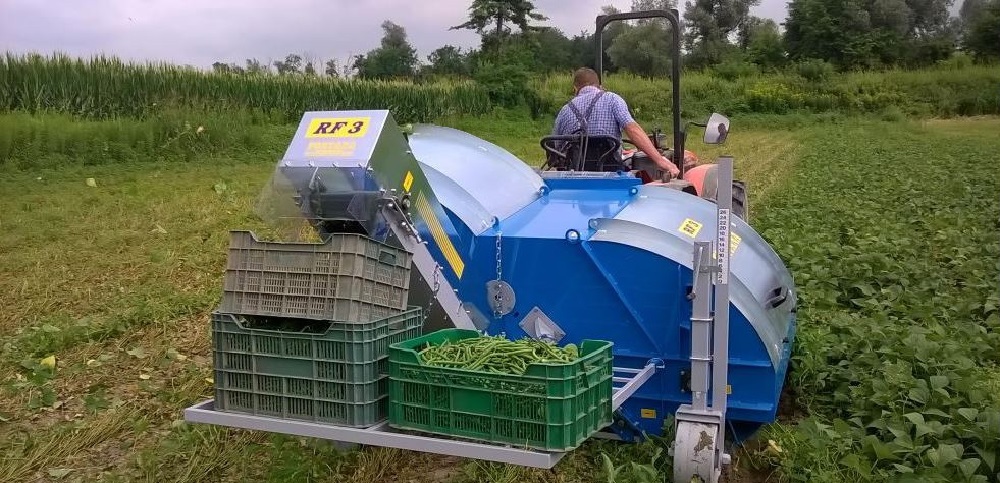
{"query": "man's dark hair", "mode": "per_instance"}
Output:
(585, 77)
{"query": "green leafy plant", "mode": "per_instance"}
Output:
(898, 317)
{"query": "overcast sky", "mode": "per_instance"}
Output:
(199, 32)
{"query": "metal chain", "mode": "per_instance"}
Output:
(499, 258)
(498, 296)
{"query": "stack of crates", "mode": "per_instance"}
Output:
(304, 329)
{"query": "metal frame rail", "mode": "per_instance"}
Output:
(385, 436)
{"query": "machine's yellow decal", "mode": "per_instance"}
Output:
(690, 227)
(408, 181)
(338, 127)
(648, 413)
(729, 388)
(734, 242)
(437, 231)
(322, 149)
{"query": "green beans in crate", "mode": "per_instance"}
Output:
(551, 406)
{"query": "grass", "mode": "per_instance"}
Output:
(116, 282)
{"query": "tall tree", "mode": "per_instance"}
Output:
(969, 13)
(643, 5)
(709, 26)
(488, 18)
(394, 58)
(983, 35)
(448, 60)
(224, 68)
(551, 49)
(838, 31)
(645, 48)
(761, 41)
(255, 66)
(583, 45)
(291, 65)
(854, 33)
(331, 68)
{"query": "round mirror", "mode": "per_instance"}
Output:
(716, 129)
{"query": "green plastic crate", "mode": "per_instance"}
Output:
(552, 407)
(349, 277)
(338, 377)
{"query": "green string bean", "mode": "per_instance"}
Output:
(496, 354)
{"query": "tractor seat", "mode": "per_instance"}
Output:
(603, 153)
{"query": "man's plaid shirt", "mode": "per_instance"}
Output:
(609, 115)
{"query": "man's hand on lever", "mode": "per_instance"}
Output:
(641, 141)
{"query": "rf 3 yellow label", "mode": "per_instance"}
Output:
(338, 127)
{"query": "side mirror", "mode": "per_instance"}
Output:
(716, 129)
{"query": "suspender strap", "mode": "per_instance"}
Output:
(583, 120)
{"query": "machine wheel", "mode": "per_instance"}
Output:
(695, 453)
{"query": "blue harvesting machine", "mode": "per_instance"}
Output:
(700, 309)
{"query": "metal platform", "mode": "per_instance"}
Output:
(385, 436)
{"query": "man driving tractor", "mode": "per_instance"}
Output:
(597, 112)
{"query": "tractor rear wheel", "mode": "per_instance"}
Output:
(706, 182)
(741, 205)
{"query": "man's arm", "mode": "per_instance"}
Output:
(638, 136)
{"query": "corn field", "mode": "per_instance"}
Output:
(109, 88)
(104, 88)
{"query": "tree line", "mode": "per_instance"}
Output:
(719, 34)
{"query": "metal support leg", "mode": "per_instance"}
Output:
(701, 323)
(699, 446)
(720, 367)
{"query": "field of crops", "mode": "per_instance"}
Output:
(107, 88)
(116, 206)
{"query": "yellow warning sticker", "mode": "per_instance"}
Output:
(690, 227)
(734, 243)
(647, 413)
(408, 181)
(729, 388)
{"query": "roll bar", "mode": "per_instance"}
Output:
(673, 17)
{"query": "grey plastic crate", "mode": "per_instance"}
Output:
(349, 278)
(339, 376)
